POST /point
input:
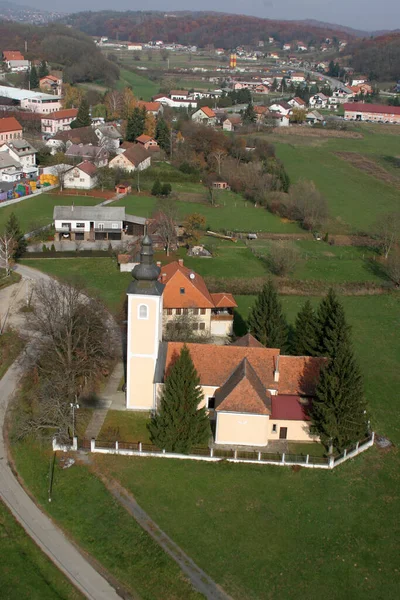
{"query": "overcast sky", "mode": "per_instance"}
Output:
(360, 14)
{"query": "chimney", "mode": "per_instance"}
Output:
(180, 262)
(163, 277)
(158, 263)
(276, 371)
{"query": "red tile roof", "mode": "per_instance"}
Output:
(223, 300)
(178, 93)
(372, 108)
(143, 139)
(66, 113)
(248, 341)
(150, 106)
(51, 77)
(87, 167)
(208, 112)
(299, 101)
(13, 55)
(243, 392)
(260, 110)
(289, 408)
(299, 374)
(177, 277)
(9, 124)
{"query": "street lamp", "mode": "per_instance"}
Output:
(74, 406)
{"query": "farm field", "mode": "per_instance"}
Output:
(352, 193)
(19, 555)
(38, 211)
(142, 86)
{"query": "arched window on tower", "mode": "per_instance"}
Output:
(143, 311)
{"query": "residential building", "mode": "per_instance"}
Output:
(361, 89)
(186, 293)
(254, 394)
(283, 108)
(314, 117)
(147, 142)
(10, 129)
(231, 123)
(261, 112)
(60, 120)
(98, 155)
(221, 185)
(134, 158)
(51, 84)
(175, 103)
(318, 100)
(81, 177)
(12, 55)
(358, 111)
(10, 168)
(108, 136)
(287, 47)
(297, 77)
(155, 108)
(63, 139)
(25, 154)
(92, 223)
(179, 95)
(205, 116)
(358, 80)
(297, 103)
(134, 46)
(18, 66)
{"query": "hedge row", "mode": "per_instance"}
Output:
(244, 287)
(68, 254)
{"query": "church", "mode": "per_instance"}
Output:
(253, 394)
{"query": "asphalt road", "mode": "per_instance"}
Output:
(36, 524)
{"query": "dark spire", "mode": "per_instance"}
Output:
(146, 273)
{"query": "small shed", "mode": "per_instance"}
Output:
(123, 188)
(221, 185)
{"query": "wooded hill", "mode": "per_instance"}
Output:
(379, 57)
(196, 28)
(73, 51)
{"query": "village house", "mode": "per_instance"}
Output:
(81, 177)
(78, 153)
(10, 168)
(10, 129)
(361, 89)
(221, 185)
(94, 223)
(318, 100)
(205, 116)
(59, 120)
(147, 142)
(382, 113)
(63, 139)
(179, 95)
(22, 152)
(314, 117)
(186, 294)
(282, 107)
(133, 159)
(297, 103)
(297, 77)
(134, 46)
(261, 113)
(108, 136)
(51, 83)
(15, 61)
(175, 102)
(253, 394)
(231, 123)
(287, 46)
(155, 108)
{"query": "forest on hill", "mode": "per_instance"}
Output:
(379, 57)
(63, 47)
(196, 28)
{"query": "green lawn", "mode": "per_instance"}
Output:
(6, 280)
(125, 427)
(233, 213)
(25, 572)
(318, 261)
(10, 346)
(82, 506)
(142, 86)
(355, 198)
(37, 211)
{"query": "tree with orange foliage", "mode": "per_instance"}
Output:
(128, 102)
(150, 124)
(113, 102)
(72, 96)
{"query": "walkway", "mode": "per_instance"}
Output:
(199, 579)
(36, 524)
(109, 396)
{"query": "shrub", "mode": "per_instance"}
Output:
(53, 248)
(44, 248)
(166, 189)
(283, 258)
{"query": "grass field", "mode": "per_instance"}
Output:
(101, 526)
(37, 211)
(355, 198)
(125, 426)
(25, 572)
(233, 213)
(143, 87)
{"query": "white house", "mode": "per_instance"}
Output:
(10, 169)
(60, 120)
(297, 103)
(133, 159)
(204, 115)
(108, 136)
(92, 223)
(81, 177)
(18, 66)
(281, 107)
(134, 46)
(22, 152)
(318, 101)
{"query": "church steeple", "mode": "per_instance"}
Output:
(146, 273)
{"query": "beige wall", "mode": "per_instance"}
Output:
(144, 336)
(297, 431)
(242, 429)
(199, 318)
(221, 327)
(208, 392)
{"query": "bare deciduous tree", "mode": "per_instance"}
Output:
(8, 246)
(185, 328)
(283, 258)
(388, 231)
(307, 204)
(74, 346)
(393, 266)
(164, 222)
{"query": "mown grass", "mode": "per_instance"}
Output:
(101, 526)
(355, 198)
(142, 86)
(36, 211)
(25, 572)
(6, 280)
(125, 427)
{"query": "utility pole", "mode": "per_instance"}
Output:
(74, 406)
(138, 180)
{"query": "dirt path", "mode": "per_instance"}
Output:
(369, 166)
(199, 579)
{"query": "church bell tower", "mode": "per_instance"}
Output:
(145, 307)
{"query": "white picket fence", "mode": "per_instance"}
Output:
(307, 461)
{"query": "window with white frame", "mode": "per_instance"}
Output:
(143, 311)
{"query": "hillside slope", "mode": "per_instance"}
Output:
(379, 57)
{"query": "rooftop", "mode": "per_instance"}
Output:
(19, 94)
(66, 113)
(9, 124)
(89, 213)
(372, 108)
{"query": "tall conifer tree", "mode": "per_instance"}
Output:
(33, 78)
(136, 124)
(163, 134)
(332, 328)
(305, 332)
(83, 118)
(266, 320)
(12, 228)
(180, 425)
